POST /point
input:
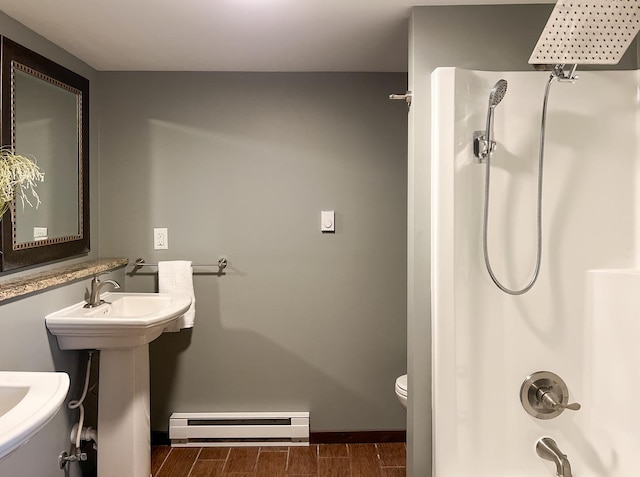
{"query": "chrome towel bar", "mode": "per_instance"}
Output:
(222, 264)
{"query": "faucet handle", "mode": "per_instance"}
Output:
(574, 406)
(96, 287)
(550, 400)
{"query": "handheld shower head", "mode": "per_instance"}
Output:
(497, 93)
(495, 96)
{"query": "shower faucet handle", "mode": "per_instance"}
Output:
(550, 400)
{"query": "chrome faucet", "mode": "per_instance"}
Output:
(548, 450)
(96, 287)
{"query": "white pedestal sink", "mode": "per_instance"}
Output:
(28, 401)
(121, 329)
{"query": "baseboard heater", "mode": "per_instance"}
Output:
(239, 429)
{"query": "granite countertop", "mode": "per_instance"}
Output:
(54, 277)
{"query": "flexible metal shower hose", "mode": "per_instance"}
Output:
(487, 262)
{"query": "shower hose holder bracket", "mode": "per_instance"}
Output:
(481, 146)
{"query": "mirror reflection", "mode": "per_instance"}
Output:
(46, 128)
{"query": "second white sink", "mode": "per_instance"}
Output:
(127, 320)
(27, 402)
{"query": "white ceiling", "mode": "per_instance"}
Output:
(228, 35)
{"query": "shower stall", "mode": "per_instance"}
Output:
(499, 360)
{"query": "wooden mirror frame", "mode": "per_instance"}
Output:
(34, 253)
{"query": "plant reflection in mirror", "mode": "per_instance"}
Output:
(19, 176)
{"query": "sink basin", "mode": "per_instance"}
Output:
(127, 320)
(28, 401)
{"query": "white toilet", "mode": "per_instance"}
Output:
(401, 390)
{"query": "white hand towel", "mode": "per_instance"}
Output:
(177, 277)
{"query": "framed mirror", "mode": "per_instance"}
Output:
(45, 115)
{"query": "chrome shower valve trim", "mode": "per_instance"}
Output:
(544, 395)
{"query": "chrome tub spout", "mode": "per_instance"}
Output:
(548, 450)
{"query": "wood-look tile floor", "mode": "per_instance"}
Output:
(321, 460)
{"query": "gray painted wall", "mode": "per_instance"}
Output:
(25, 344)
(241, 165)
(474, 37)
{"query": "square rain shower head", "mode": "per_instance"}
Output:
(587, 32)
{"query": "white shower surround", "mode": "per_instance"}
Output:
(485, 342)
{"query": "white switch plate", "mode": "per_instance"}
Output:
(328, 221)
(160, 239)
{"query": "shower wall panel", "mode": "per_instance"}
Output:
(611, 341)
(485, 341)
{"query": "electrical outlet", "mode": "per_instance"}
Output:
(40, 233)
(160, 239)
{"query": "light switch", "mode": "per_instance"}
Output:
(328, 221)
